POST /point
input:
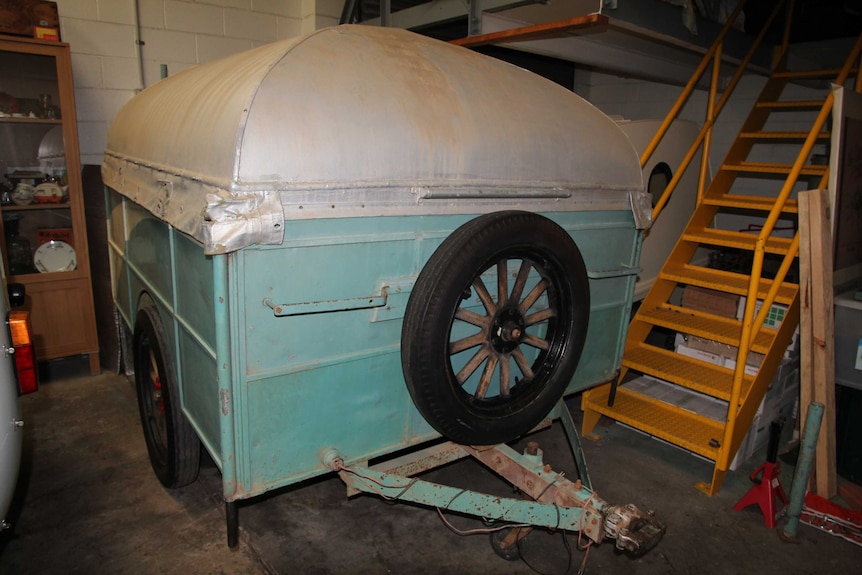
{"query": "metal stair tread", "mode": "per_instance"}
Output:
(638, 403)
(771, 136)
(825, 73)
(774, 168)
(688, 372)
(790, 104)
(761, 203)
(670, 423)
(725, 281)
(745, 241)
(707, 326)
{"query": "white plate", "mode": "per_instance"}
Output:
(55, 256)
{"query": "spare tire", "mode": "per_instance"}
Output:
(524, 324)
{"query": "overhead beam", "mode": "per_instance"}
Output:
(596, 22)
(440, 11)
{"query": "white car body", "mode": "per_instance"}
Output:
(11, 435)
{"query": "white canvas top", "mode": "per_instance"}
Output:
(361, 121)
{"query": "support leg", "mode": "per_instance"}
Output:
(717, 479)
(591, 419)
(232, 517)
(95, 367)
(575, 442)
(767, 493)
(615, 382)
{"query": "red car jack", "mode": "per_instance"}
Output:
(767, 486)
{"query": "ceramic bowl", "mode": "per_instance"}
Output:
(51, 193)
(23, 195)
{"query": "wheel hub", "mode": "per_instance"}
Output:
(507, 330)
(157, 395)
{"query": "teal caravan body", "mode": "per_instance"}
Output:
(271, 212)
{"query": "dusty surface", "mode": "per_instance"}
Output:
(90, 504)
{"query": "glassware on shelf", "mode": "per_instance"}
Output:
(20, 255)
(5, 194)
(19, 252)
(48, 110)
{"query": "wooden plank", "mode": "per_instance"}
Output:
(822, 340)
(594, 22)
(806, 378)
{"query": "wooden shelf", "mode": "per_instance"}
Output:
(60, 304)
(28, 207)
(29, 120)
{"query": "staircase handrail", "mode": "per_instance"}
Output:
(752, 325)
(713, 53)
(786, 190)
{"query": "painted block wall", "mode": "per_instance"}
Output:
(636, 99)
(640, 99)
(177, 34)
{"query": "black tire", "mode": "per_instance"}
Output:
(172, 444)
(441, 355)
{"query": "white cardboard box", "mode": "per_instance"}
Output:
(713, 358)
(730, 363)
(681, 346)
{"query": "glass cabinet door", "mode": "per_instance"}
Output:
(34, 190)
(43, 228)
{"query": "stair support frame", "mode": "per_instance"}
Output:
(686, 93)
(744, 401)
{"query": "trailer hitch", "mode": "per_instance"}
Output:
(633, 530)
(553, 501)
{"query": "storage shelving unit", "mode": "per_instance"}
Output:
(42, 229)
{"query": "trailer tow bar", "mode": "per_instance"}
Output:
(554, 501)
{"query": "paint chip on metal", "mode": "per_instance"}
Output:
(224, 397)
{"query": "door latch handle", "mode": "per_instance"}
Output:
(301, 308)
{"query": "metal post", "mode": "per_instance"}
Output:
(474, 18)
(348, 12)
(386, 13)
(803, 470)
(710, 120)
(228, 400)
(231, 513)
(575, 443)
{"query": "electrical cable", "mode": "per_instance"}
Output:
(581, 522)
(404, 488)
(568, 555)
(339, 466)
(476, 531)
(583, 568)
(548, 486)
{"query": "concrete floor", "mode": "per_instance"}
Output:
(90, 504)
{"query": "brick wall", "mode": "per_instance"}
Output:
(176, 34)
(181, 33)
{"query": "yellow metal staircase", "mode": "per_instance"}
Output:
(751, 156)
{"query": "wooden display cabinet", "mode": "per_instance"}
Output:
(42, 229)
